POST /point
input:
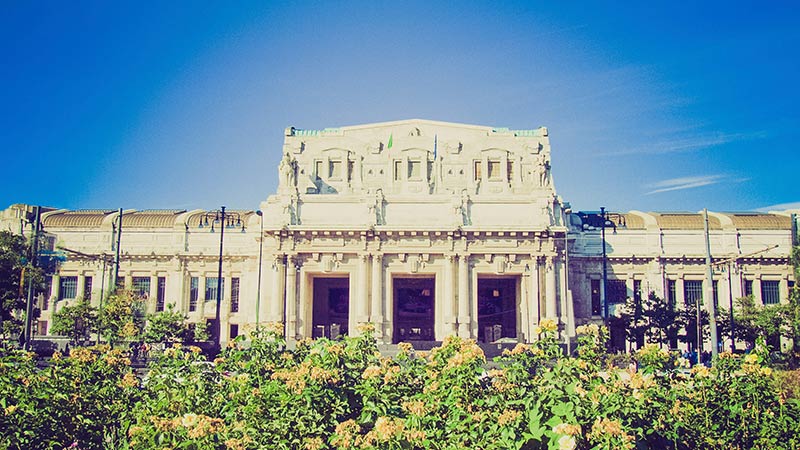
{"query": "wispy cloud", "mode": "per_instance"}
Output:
(780, 207)
(677, 184)
(688, 143)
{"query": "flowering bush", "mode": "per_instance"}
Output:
(343, 394)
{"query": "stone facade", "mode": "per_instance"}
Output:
(425, 228)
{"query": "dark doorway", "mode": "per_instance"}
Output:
(331, 312)
(413, 309)
(497, 308)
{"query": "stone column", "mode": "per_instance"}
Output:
(376, 309)
(201, 296)
(54, 290)
(277, 298)
(523, 329)
(225, 308)
(291, 297)
(783, 289)
(362, 306)
(464, 317)
(563, 312)
(152, 296)
(80, 287)
(534, 299)
(450, 313)
(757, 289)
(550, 289)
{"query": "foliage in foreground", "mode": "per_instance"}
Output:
(343, 394)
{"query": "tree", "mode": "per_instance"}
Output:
(793, 308)
(121, 317)
(652, 320)
(169, 325)
(76, 321)
(15, 272)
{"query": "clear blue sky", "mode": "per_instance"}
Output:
(650, 105)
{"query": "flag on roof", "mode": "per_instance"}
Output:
(389, 145)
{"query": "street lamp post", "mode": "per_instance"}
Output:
(730, 304)
(605, 270)
(260, 254)
(37, 223)
(225, 220)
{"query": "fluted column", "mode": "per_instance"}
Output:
(291, 297)
(463, 297)
(376, 309)
(534, 300)
(362, 306)
(550, 289)
(450, 313)
(563, 311)
(277, 298)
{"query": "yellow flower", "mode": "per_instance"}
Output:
(405, 347)
(128, 330)
(567, 429)
(10, 409)
(129, 381)
(547, 326)
(275, 328)
(314, 443)
(416, 408)
(195, 349)
(751, 358)
(508, 416)
(366, 327)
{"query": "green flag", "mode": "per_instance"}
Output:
(389, 145)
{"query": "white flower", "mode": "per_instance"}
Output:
(566, 443)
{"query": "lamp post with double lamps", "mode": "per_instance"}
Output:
(260, 254)
(221, 219)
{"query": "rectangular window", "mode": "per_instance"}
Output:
(120, 282)
(493, 170)
(770, 292)
(716, 293)
(510, 170)
(161, 293)
(692, 292)
(141, 286)
(87, 288)
(318, 169)
(398, 165)
(211, 288)
(414, 170)
(748, 287)
(194, 287)
(335, 170)
(616, 291)
(68, 288)
(672, 293)
(596, 304)
(234, 295)
(234, 330)
(350, 168)
(42, 328)
(477, 170)
(48, 289)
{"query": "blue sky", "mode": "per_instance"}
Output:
(650, 105)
